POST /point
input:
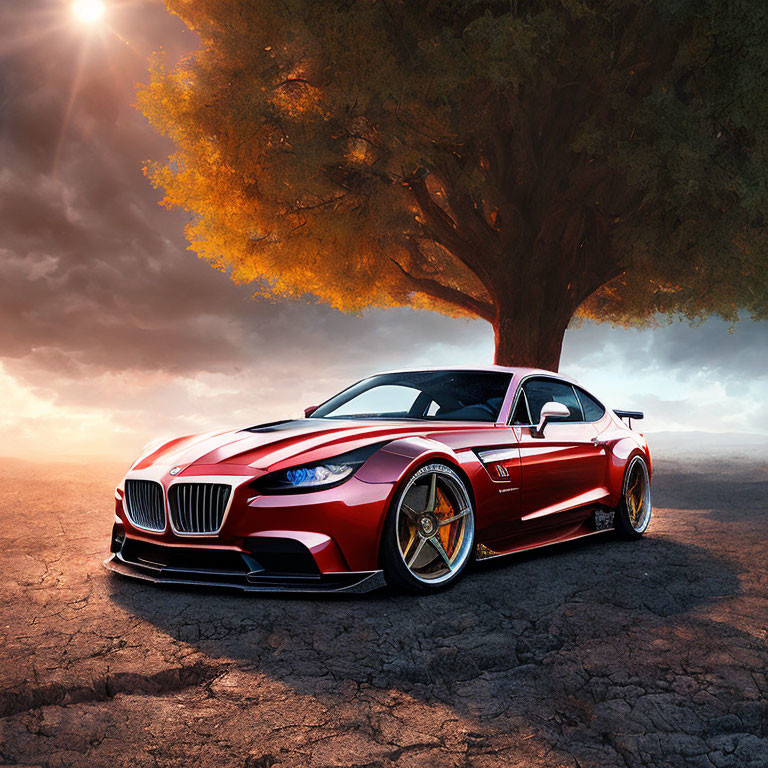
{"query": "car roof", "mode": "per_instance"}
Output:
(517, 372)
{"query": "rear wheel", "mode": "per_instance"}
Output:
(429, 532)
(634, 512)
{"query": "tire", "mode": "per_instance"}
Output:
(633, 514)
(429, 533)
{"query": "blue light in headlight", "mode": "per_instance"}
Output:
(299, 476)
(322, 474)
(314, 477)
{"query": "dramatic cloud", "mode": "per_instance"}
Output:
(111, 331)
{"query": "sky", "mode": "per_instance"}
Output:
(112, 333)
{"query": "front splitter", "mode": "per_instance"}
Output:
(346, 582)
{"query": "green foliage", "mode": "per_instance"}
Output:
(698, 154)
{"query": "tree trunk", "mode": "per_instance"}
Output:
(530, 326)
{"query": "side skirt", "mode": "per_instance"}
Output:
(601, 522)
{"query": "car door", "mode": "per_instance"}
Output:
(563, 470)
(497, 486)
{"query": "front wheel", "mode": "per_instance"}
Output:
(429, 533)
(634, 512)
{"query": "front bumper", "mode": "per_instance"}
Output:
(233, 568)
(324, 541)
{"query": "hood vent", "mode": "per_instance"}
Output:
(290, 425)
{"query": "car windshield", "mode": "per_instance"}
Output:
(433, 395)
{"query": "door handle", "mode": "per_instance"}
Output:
(598, 443)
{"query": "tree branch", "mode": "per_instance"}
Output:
(444, 229)
(446, 293)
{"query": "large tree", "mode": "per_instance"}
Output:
(522, 161)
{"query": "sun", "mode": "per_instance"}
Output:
(88, 11)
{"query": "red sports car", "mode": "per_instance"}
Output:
(403, 478)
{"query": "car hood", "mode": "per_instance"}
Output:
(271, 446)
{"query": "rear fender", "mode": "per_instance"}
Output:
(621, 453)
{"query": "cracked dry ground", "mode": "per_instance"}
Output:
(600, 653)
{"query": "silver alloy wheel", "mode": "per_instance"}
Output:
(637, 494)
(435, 524)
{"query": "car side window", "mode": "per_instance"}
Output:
(541, 391)
(592, 409)
(521, 416)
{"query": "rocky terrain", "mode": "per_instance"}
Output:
(596, 654)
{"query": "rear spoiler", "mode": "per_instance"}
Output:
(629, 415)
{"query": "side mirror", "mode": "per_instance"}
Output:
(550, 411)
(310, 410)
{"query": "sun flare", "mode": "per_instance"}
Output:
(88, 11)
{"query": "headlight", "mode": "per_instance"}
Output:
(315, 476)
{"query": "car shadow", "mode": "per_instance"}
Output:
(508, 612)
